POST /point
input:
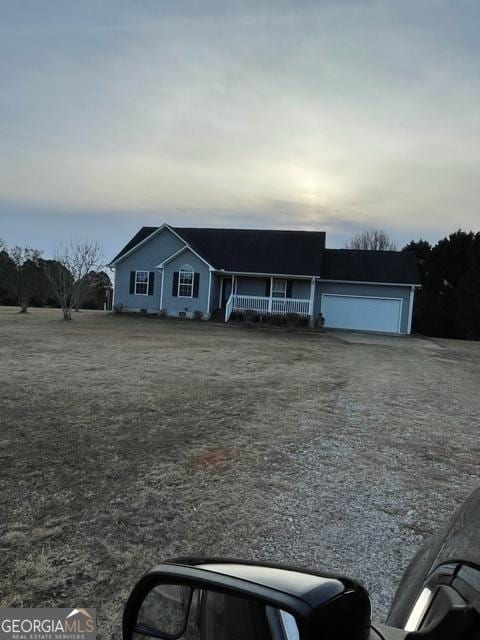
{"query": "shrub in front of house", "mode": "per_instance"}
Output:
(277, 320)
(250, 316)
(293, 321)
(198, 315)
(236, 316)
(320, 321)
(119, 308)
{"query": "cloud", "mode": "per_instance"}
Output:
(295, 114)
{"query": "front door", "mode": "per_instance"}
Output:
(225, 291)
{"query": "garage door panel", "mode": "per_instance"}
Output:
(362, 313)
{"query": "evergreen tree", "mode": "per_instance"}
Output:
(422, 249)
(448, 304)
(467, 317)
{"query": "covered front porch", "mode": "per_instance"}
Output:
(266, 296)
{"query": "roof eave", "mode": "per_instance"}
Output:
(373, 282)
(187, 247)
(137, 246)
(274, 274)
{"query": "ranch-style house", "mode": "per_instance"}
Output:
(181, 271)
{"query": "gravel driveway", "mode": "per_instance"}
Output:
(128, 440)
(398, 451)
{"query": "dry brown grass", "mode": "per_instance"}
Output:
(212, 459)
(128, 440)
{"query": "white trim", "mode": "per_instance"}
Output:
(268, 305)
(284, 288)
(318, 278)
(209, 291)
(410, 311)
(190, 247)
(147, 283)
(380, 284)
(353, 295)
(186, 268)
(114, 287)
(174, 255)
(148, 238)
(180, 251)
(310, 304)
(275, 275)
(161, 292)
(174, 232)
(144, 241)
(358, 295)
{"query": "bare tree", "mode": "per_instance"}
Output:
(67, 273)
(375, 239)
(23, 273)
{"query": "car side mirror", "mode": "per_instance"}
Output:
(230, 600)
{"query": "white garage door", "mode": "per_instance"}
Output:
(362, 312)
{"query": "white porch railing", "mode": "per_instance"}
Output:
(266, 305)
(229, 307)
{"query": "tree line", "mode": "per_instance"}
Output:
(448, 303)
(72, 279)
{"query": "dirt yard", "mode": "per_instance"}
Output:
(125, 441)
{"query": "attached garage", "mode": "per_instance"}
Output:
(364, 290)
(363, 313)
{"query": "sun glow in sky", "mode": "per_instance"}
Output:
(328, 115)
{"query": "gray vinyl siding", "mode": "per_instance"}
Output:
(301, 289)
(251, 286)
(379, 291)
(174, 304)
(258, 286)
(145, 258)
(166, 243)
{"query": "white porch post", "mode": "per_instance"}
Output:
(310, 303)
(209, 290)
(410, 310)
(161, 290)
(113, 288)
(270, 297)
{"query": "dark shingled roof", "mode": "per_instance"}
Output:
(258, 251)
(370, 266)
(137, 238)
(290, 253)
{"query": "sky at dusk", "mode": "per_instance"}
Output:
(323, 115)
